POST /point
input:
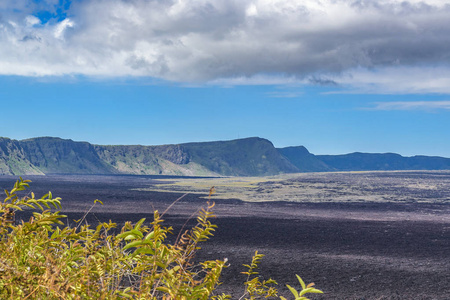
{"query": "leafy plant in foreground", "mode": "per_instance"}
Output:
(43, 259)
(305, 289)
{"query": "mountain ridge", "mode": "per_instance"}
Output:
(253, 156)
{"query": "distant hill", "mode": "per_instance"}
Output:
(383, 162)
(301, 158)
(242, 157)
(48, 155)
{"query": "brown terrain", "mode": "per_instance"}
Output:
(371, 235)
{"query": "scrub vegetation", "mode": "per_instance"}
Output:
(338, 187)
(45, 259)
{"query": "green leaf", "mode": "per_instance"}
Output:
(143, 250)
(137, 233)
(293, 291)
(36, 203)
(15, 207)
(132, 245)
(45, 203)
(163, 289)
(130, 237)
(56, 203)
(310, 290)
(139, 223)
(125, 295)
(122, 235)
(55, 233)
(150, 235)
(301, 282)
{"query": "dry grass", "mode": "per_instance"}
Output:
(320, 187)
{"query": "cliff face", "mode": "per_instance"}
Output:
(148, 160)
(303, 160)
(55, 155)
(242, 157)
(14, 160)
(46, 155)
(176, 154)
(130, 159)
(245, 157)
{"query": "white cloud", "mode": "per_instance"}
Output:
(397, 80)
(412, 105)
(61, 27)
(386, 46)
(284, 94)
(30, 21)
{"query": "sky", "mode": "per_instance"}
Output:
(336, 76)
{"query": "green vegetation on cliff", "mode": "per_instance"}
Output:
(385, 162)
(303, 160)
(151, 160)
(46, 155)
(13, 159)
(242, 157)
(55, 155)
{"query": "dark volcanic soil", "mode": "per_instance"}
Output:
(350, 250)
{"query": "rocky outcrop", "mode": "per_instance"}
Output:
(59, 156)
(14, 159)
(174, 153)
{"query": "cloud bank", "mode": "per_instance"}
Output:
(385, 46)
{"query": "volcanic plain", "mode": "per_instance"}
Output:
(356, 235)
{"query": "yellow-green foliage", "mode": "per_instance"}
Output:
(43, 259)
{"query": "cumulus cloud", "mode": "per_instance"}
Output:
(61, 27)
(367, 46)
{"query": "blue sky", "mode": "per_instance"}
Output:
(334, 76)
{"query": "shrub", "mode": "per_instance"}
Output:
(43, 259)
